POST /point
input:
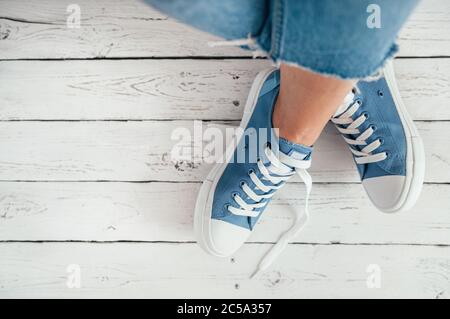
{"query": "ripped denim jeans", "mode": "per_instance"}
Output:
(349, 39)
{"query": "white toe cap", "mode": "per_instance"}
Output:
(227, 238)
(386, 192)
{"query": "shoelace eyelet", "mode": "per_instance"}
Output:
(268, 145)
(250, 172)
(380, 93)
(366, 115)
(242, 183)
(354, 90)
(373, 127)
(359, 102)
(226, 207)
(387, 154)
(381, 140)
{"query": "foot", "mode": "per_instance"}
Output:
(385, 143)
(236, 192)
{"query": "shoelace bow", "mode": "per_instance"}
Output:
(349, 126)
(275, 175)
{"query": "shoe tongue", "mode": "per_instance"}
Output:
(345, 104)
(297, 151)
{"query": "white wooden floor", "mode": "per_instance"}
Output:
(88, 189)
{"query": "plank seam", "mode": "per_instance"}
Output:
(193, 242)
(198, 57)
(177, 182)
(29, 21)
(225, 121)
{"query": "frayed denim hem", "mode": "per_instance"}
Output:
(371, 74)
(253, 44)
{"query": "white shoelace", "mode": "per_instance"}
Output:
(277, 173)
(349, 126)
(279, 170)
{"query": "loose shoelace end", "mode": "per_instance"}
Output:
(258, 271)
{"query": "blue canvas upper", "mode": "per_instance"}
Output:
(379, 107)
(235, 173)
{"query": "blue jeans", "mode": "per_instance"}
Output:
(343, 38)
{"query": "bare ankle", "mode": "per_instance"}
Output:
(305, 103)
(289, 130)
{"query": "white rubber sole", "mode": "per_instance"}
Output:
(203, 205)
(415, 157)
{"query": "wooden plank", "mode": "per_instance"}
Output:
(422, 32)
(114, 28)
(38, 29)
(144, 151)
(132, 89)
(153, 270)
(139, 212)
(181, 89)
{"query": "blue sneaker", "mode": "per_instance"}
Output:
(236, 192)
(385, 143)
